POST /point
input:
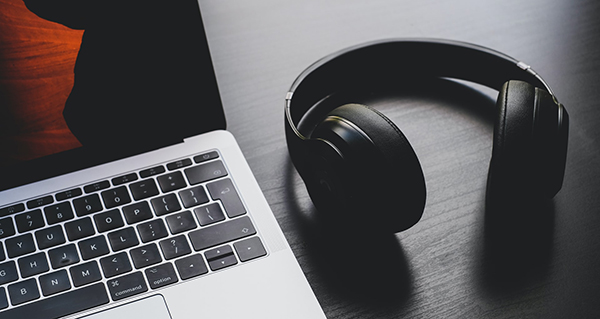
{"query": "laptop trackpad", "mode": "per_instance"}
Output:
(148, 308)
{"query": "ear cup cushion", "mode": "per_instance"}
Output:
(510, 164)
(530, 143)
(381, 130)
(549, 149)
(396, 162)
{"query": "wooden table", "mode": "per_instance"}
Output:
(444, 266)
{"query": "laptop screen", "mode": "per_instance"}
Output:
(85, 82)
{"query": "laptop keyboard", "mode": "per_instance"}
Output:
(116, 238)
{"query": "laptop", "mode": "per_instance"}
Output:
(121, 192)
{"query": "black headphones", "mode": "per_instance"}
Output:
(358, 165)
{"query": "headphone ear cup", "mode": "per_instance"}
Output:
(529, 146)
(384, 175)
(512, 132)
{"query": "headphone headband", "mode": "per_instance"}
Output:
(403, 57)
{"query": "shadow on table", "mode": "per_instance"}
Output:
(367, 270)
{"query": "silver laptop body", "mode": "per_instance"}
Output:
(270, 286)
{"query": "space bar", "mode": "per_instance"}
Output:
(61, 305)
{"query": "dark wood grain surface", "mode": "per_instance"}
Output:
(451, 264)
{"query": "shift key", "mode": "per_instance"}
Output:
(222, 233)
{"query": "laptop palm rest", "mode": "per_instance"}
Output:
(148, 308)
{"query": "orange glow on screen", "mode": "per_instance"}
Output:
(37, 58)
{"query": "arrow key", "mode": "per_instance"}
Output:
(225, 261)
(218, 253)
(250, 248)
(191, 266)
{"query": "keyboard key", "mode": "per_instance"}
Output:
(30, 220)
(68, 194)
(58, 213)
(63, 256)
(8, 272)
(224, 191)
(124, 179)
(145, 256)
(22, 292)
(172, 181)
(93, 247)
(143, 189)
(165, 205)
(205, 172)
(17, 208)
(115, 265)
(33, 265)
(218, 252)
(123, 238)
(191, 266)
(85, 273)
(87, 205)
(7, 228)
(175, 247)
(152, 171)
(39, 202)
(161, 275)
(55, 282)
(223, 262)
(2, 254)
(137, 212)
(127, 286)
(115, 197)
(50, 237)
(206, 157)
(152, 230)
(20, 245)
(209, 214)
(179, 164)
(221, 233)
(79, 228)
(181, 222)
(96, 187)
(61, 305)
(249, 249)
(108, 220)
(193, 197)
(3, 298)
